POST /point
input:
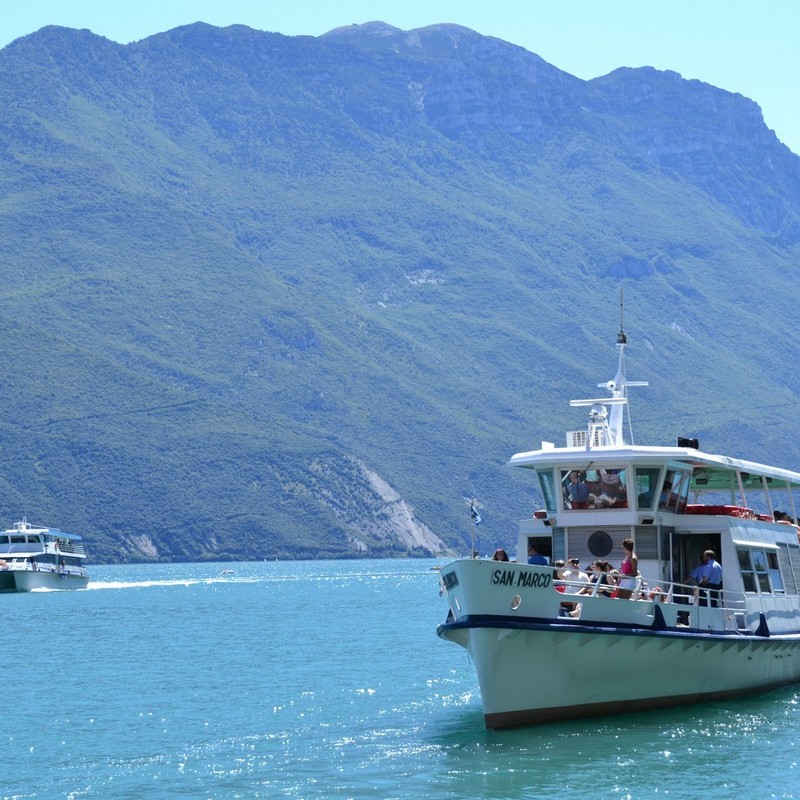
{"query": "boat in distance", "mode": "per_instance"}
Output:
(34, 557)
(549, 644)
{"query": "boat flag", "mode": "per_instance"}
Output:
(473, 512)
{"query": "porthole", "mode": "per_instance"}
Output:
(600, 544)
(516, 602)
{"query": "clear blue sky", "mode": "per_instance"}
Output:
(745, 46)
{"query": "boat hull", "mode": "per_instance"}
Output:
(546, 673)
(30, 580)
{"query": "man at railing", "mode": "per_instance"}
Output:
(708, 577)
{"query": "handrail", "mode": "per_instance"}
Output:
(683, 599)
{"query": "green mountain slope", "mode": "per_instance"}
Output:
(293, 297)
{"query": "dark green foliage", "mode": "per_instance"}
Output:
(248, 277)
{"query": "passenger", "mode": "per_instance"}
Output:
(534, 557)
(578, 491)
(600, 577)
(558, 576)
(628, 571)
(657, 594)
(646, 593)
(667, 498)
(614, 489)
(708, 576)
(600, 500)
(574, 575)
(594, 572)
(500, 555)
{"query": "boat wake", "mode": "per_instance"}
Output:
(167, 582)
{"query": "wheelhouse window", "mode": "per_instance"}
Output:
(646, 483)
(548, 492)
(675, 491)
(594, 488)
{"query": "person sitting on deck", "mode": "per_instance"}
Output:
(601, 576)
(574, 575)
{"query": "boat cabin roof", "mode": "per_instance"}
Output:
(710, 472)
(25, 527)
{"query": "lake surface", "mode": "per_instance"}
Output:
(323, 680)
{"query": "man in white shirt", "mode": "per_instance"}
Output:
(573, 574)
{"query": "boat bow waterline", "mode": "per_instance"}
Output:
(552, 643)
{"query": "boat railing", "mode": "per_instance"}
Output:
(67, 546)
(35, 566)
(689, 606)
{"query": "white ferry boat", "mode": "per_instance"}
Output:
(549, 646)
(41, 558)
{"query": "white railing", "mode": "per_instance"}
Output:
(681, 605)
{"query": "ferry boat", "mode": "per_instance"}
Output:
(550, 646)
(41, 558)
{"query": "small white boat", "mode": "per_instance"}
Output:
(41, 558)
(549, 647)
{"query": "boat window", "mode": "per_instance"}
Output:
(760, 571)
(3, 539)
(17, 539)
(595, 488)
(774, 572)
(675, 491)
(546, 482)
(746, 568)
(646, 482)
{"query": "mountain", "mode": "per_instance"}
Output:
(276, 297)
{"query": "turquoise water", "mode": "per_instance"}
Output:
(323, 680)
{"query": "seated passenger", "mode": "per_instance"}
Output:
(601, 578)
(573, 574)
(614, 489)
(601, 501)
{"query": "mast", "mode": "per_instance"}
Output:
(604, 428)
(619, 385)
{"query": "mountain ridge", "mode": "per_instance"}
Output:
(233, 257)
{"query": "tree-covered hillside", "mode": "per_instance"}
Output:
(303, 297)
